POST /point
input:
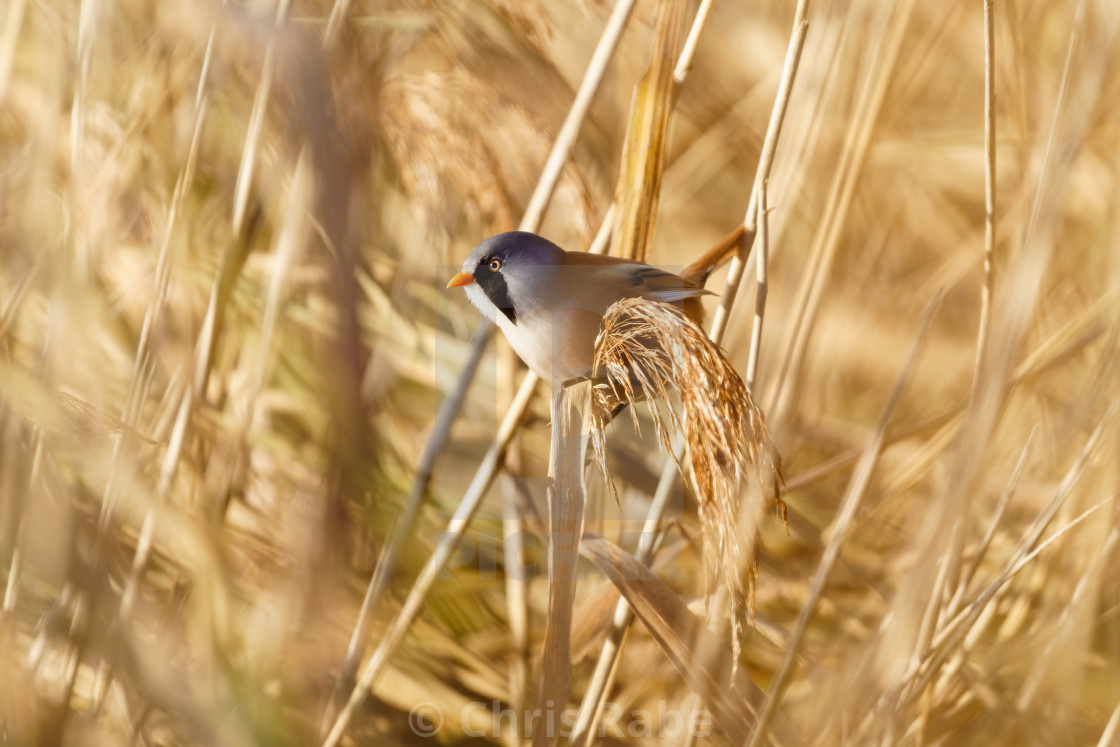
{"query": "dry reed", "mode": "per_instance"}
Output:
(649, 350)
(224, 341)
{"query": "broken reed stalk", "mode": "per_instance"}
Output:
(648, 350)
(570, 419)
(644, 149)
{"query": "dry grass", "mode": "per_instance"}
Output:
(652, 351)
(224, 339)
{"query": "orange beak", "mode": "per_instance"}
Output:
(463, 278)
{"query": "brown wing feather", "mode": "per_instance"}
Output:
(646, 281)
(696, 273)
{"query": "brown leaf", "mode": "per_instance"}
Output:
(680, 635)
(643, 155)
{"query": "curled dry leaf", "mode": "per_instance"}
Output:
(647, 350)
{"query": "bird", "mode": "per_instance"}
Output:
(549, 303)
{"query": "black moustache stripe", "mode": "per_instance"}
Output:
(493, 284)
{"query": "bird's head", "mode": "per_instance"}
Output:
(509, 273)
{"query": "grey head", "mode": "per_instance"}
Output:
(511, 271)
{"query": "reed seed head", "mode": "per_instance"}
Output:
(649, 350)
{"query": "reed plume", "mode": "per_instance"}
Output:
(649, 350)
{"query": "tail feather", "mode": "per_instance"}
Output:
(698, 272)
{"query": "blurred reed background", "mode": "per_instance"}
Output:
(225, 229)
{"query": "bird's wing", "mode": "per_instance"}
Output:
(636, 279)
(659, 285)
(614, 278)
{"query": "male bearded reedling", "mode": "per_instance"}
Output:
(550, 303)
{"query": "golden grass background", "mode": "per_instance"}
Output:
(224, 234)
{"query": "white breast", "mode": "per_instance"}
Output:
(557, 345)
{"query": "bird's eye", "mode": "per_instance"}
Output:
(495, 265)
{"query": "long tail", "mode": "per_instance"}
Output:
(698, 271)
